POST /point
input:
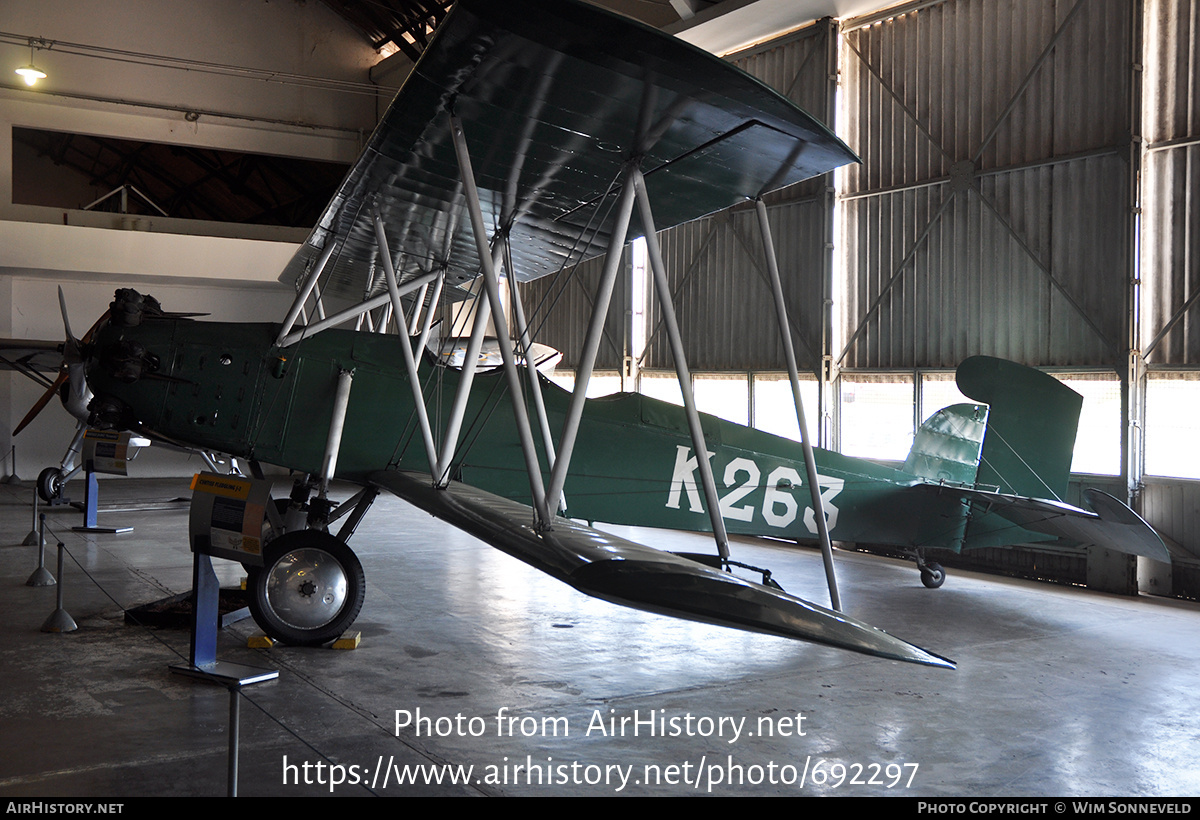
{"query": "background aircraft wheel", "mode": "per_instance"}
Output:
(933, 576)
(309, 589)
(49, 483)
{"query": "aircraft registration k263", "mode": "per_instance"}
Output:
(533, 135)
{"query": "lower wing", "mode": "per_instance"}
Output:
(624, 572)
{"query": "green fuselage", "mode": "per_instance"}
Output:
(229, 389)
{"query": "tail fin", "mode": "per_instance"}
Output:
(1030, 428)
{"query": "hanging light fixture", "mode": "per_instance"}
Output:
(31, 73)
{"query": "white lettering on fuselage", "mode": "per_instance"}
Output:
(743, 476)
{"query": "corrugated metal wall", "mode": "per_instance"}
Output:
(991, 212)
(716, 266)
(558, 309)
(1171, 221)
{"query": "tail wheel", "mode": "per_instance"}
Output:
(309, 590)
(933, 576)
(50, 483)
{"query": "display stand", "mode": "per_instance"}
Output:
(226, 521)
(103, 452)
(206, 591)
(91, 502)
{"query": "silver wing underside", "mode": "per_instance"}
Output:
(631, 574)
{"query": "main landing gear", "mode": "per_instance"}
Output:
(311, 586)
(309, 590)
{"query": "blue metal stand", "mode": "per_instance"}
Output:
(206, 592)
(91, 503)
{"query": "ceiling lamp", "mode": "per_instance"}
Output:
(31, 73)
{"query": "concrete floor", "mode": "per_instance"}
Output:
(1059, 692)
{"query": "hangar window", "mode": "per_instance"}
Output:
(662, 385)
(1098, 442)
(1172, 426)
(877, 416)
(724, 395)
(939, 390)
(774, 409)
(602, 383)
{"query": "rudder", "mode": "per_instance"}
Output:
(1031, 426)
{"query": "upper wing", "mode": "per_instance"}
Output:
(555, 96)
(624, 572)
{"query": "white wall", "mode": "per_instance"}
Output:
(281, 36)
(230, 271)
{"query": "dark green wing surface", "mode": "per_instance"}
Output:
(555, 96)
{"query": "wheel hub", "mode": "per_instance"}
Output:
(307, 588)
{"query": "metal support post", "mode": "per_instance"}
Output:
(492, 286)
(663, 289)
(35, 535)
(352, 312)
(318, 305)
(341, 401)
(41, 576)
(91, 505)
(235, 722)
(410, 363)
(429, 314)
(441, 475)
(12, 477)
(91, 499)
(302, 295)
(591, 343)
(810, 463)
(60, 620)
(535, 384)
(418, 304)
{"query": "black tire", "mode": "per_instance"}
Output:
(933, 576)
(309, 590)
(49, 483)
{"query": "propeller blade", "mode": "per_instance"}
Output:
(62, 305)
(73, 369)
(41, 403)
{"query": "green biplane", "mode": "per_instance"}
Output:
(533, 135)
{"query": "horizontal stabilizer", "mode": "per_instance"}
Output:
(624, 572)
(1113, 525)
